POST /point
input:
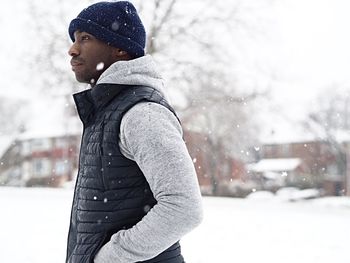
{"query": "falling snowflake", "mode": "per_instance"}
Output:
(115, 26)
(146, 208)
(100, 66)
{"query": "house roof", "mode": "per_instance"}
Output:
(275, 165)
(5, 142)
(47, 119)
(54, 130)
(284, 130)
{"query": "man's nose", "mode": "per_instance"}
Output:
(73, 50)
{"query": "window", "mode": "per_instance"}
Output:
(41, 144)
(26, 148)
(332, 169)
(285, 150)
(61, 167)
(41, 167)
(61, 143)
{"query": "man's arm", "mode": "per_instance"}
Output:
(151, 135)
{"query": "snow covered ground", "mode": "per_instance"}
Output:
(34, 224)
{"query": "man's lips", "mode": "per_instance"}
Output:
(75, 64)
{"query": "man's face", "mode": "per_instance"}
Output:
(90, 57)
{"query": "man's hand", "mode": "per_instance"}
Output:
(103, 256)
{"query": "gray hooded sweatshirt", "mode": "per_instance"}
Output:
(151, 136)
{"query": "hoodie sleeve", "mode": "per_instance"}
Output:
(151, 135)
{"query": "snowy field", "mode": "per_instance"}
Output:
(34, 226)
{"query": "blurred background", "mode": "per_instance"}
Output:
(262, 90)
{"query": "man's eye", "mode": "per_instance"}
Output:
(85, 37)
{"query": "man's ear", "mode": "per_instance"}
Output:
(120, 53)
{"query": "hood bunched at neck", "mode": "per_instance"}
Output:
(137, 72)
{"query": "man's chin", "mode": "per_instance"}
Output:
(81, 79)
(84, 78)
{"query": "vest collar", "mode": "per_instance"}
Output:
(101, 94)
(91, 100)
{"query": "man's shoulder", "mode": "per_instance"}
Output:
(145, 108)
(149, 114)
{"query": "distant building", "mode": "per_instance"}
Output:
(316, 165)
(52, 160)
(44, 161)
(274, 173)
(216, 174)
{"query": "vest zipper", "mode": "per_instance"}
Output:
(102, 159)
(75, 194)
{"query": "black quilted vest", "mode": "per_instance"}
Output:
(111, 193)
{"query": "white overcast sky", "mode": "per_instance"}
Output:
(316, 42)
(308, 41)
(305, 46)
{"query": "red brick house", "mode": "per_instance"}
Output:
(320, 165)
(45, 161)
(53, 160)
(215, 171)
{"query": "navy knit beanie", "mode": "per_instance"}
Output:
(115, 23)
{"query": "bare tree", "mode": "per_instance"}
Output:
(329, 120)
(50, 60)
(194, 49)
(193, 42)
(11, 117)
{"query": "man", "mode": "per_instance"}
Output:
(136, 193)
